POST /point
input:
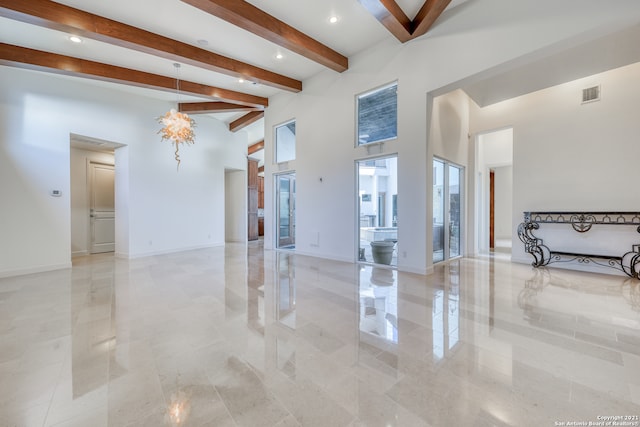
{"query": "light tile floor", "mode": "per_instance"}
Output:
(237, 337)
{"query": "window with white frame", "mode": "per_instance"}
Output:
(285, 136)
(377, 115)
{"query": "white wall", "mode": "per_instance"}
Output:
(482, 34)
(166, 210)
(123, 242)
(449, 140)
(449, 133)
(80, 196)
(568, 156)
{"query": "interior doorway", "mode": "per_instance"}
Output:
(98, 189)
(102, 208)
(494, 223)
(285, 210)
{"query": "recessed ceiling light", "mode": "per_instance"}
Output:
(75, 39)
(240, 80)
(279, 55)
(333, 19)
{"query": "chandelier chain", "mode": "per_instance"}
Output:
(177, 65)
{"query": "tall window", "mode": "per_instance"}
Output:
(286, 210)
(447, 210)
(378, 210)
(377, 115)
(286, 142)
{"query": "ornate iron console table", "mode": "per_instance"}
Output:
(628, 263)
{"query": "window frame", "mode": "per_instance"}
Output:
(361, 95)
(275, 140)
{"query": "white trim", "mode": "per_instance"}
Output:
(79, 253)
(236, 240)
(275, 142)
(315, 255)
(32, 270)
(276, 214)
(357, 114)
(171, 251)
(356, 198)
(416, 270)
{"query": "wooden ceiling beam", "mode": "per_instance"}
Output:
(389, 14)
(254, 148)
(429, 12)
(250, 18)
(245, 120)
(59, 17)
(21, 57)
(213, 107)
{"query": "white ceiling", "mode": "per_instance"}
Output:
(355, 31)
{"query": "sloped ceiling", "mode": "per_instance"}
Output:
(582, 59)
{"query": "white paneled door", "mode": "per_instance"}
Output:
(101, 207)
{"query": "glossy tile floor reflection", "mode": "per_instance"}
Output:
(237, 337)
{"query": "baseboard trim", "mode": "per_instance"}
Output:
(173, 251)
(33, 270)
(79, 253)
(416, 270)
(236, 240)
(404, 269)
(315, 255)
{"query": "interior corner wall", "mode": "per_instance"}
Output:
(449, 135)
(571, 156)
(80, 196)
(167, 210)
(449, 140)
(481, 35)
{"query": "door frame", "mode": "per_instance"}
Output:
(292, 211)
(481, 184)
(358, 251)
(492, 209)
(446, 223)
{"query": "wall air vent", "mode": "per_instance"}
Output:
(591, 94)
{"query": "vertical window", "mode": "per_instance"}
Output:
(447, 210)
(286, 142)
(377, 210)
(286, 210)
(377, 115)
